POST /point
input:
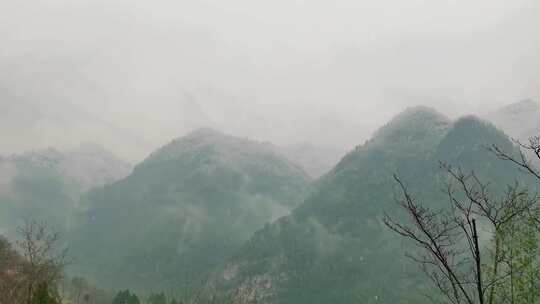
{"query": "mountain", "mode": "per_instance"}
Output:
(46, 185)
(334, 248)
(88, 165)
(183, 210)
(318, 160)
(519, 120)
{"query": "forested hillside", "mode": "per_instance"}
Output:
(334, 248)
(183, 210)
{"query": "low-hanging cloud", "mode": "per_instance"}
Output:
(133, 74)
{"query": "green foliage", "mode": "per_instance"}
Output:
(519, 255)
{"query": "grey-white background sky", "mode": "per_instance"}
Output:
(132, 74)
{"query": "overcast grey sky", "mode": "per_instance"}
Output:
(132, 74)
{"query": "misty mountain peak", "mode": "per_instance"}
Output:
(415, 131)
(420, 112)
(524, 106)
(88, 166)
(470, 124)
(471, 121)
(204, 136)
(413, 124)
(476, 128)
(473, 134)
(187, 143)
(41, 158)
(222, 146)
(519, 120)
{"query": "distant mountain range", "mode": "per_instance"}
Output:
(47, 184)
(520, 120)
(253, 221)
(88, 165)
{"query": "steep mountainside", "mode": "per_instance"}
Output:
(46, 185)
(183, 210)
(334, 247)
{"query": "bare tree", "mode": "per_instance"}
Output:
(522, 161)
(10, 281)
(450, 254)
(37, 260)
(44, 259)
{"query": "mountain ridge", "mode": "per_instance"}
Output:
(336, 236)
(191, 203)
